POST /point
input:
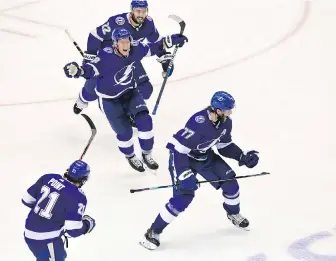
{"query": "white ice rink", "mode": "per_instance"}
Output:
(276, 57)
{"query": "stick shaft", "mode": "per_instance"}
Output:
(205, 181)
(182, 27)
(74, 42)
(93, 134)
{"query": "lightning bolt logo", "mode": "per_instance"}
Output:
(127, 75)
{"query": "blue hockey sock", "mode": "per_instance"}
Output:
(166, 216)
(144, 123)
(231, 200)
(172, 209)
(125, 143)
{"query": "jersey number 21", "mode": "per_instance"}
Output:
(53, 196)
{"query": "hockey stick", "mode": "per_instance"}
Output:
(74, 42)
(93, 134)
(182, 27)
(205, 181)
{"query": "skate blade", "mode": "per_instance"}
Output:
(151, 171)
(148, 245)
(243, 228)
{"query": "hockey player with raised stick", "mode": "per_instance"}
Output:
(141, 27)
(190, 153)
(115, 68)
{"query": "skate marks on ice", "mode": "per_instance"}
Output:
(214, 238)
(18, 6)
(4, 13)
(301, 249)
(10, 31)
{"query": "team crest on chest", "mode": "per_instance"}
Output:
(125, 75)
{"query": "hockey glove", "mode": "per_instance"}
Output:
(187, 181)
(73, 70)
(89, 222)
(88, 57)
(165, 60)
(79, 106)
(175, 39)
(250, 159)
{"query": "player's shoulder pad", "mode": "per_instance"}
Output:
(77, 194)
(199, 117)
(108, 49)
(82, 192)
(119, 19)
(149, 18)
(196, 121)
(51, 175)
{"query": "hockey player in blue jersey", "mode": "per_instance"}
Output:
(115, 67)
(191, 153)
(57, 208)
(141, 26)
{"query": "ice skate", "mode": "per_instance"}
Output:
(151, 240)
(149, 161)
(136, 163)
(239, 221)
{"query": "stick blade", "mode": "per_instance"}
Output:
(90, 122)
(179, 20)
(176, 18)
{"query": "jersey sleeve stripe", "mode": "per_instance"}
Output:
(72, 225)
(94, 69)
(180, 147)
(159, 38)
(95, 35)
(222, 145)
(28, 199)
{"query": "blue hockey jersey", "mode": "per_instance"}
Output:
(104, 32)
(196, 140)
(57, 207)
(116, 73)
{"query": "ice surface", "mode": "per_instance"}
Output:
(276, 57)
